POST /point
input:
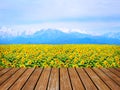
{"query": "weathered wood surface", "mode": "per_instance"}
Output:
(59, 79)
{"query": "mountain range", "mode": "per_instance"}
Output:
(53, 36)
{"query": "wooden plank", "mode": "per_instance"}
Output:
(76, 83)
(67, 79)
(111, 75)
(7, 75)
(12, 79)
(114, 71)
(4, 71)
(20, 82)
(54, 80)
(64, 80)
(89, 85)
(43, 81)
(30, 84)
(98, 82)
(107, 80)
(1, 69)
(118, 69)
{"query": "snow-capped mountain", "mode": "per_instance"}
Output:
(113, 35)
(54, 36)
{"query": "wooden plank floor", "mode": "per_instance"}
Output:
(59, 79)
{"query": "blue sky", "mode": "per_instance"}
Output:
(88, 16)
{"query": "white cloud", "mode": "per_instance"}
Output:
(85, 27)
(30, 10)
(18, 30)
(44, 14)
(9, 31)
(56, 9)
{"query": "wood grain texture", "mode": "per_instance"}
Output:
(20, 82)
(7, 75)
(75, 80)
(54, 80)
(106, 79)
(98, 82)
(89, 85)
(111, 75)
(11, 80)
(64, 80)
(114, 71)
(43, 80)
(118, 69)
(30, 84)
(60, 79)
(1, 69)
(4, 71)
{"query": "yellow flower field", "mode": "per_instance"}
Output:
(59, 55)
